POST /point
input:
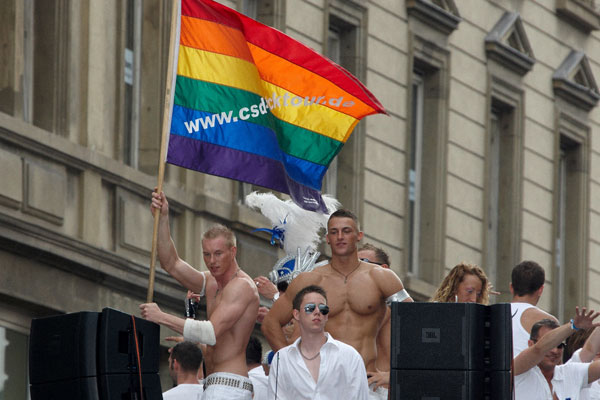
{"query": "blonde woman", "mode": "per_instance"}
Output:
(466, 283)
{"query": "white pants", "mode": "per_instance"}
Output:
(223, 392)
(380, 393)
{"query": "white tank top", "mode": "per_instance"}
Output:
(520, 335)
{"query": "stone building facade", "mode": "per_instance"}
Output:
(487, 154)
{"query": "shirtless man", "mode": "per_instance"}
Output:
(527, 287)
(231, 305)
(356, 290)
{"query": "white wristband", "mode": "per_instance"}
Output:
(199, 332)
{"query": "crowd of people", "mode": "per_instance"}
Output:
(329, 329)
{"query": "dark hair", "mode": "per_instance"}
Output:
(575, 342)
(344, 213)
(527, 277)
(282, 286)
(253, 351)
(380, 254)
(535, 329)
(188, 355)
(309, 289)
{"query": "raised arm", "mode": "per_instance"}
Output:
(279, 315)
(533, 355)
(591, 347)
(170, 261)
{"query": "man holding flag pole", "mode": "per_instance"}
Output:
(247, 103)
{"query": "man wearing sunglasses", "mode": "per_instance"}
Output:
(357, 290)
(537, 369)
(316, 366)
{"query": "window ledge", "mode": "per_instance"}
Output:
(433, 15)
(575, 94)
(418, 289)
(579, 13)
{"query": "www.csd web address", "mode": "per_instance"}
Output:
(255, 110)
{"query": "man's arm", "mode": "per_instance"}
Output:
(533, 355)
(389, 283)
(168, 257)
(591, 347)
(237, 296)
(279, 315)
(382, 363)
(358, 384)
(594, 371)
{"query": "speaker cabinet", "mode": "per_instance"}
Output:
(437, 385)
(116, 344)
(499, 386)
(442, 336)
(78, 388)
(92, 356)
(127, 386)
(499, 339)
(63, 347)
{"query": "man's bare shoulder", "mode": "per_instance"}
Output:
(386, 280)
(537, 314)
(241, 285)
(533, 315)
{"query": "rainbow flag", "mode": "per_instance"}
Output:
(255, 105)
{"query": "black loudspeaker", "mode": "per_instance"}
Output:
(126, 387)
(499, 386)
(92, 356)
(63, 347)
(499, 339)
(78, 388)
(117, 345)
(437, 385)
(440, 336)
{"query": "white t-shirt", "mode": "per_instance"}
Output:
(184, 391)
(342, 374)
(260, 381)
(567, 382)
(592, 391)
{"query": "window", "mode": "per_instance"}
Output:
(426, 161)
(333, 53)
(570, 221)
(13, 365)
(8, 11)
(34, 48)
(344, 44)
(415, 173)
(502, 186)
(131, 81)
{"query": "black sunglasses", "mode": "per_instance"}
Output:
(560, 346)
(369, 261)
(310, 308)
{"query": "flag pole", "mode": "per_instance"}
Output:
(163, 141)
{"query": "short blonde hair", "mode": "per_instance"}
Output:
(220, 230)
(449, 287)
